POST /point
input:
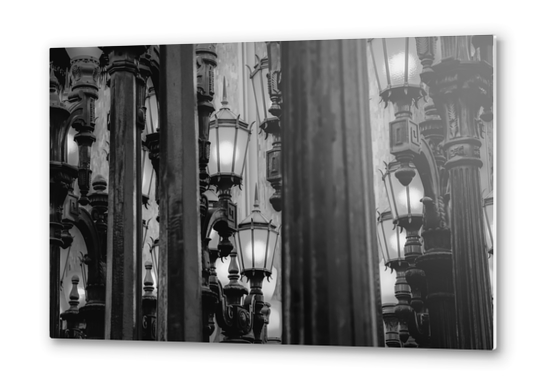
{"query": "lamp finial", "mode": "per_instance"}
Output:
(256, 198)
(224, 93)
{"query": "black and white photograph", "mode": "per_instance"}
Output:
(285, 192)
(316, 192)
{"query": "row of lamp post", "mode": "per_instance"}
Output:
(435, 160)
(226, 149)
(223, 143)
(434, 186)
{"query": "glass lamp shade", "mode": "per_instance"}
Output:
(391, 239)
(151, 104)
(405, 201)
(259, 79)
(488, 221)
(395, 62)
(257, 241)
(72, 149)
(229, 137)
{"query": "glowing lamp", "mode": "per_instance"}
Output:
(257, 240)
(229, 136)
(404, 200)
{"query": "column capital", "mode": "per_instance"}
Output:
(123, 58)
(460, 90)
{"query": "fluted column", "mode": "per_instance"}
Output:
(124, 215)
(460, 90)
(330, 257)
(179, 316)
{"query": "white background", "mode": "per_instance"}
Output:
(28, 31)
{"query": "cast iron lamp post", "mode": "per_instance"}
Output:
(461, 86)
(257, 239)
(407, 214)
(423, 155)
(240, 320)
(448, 159)
(391, 240)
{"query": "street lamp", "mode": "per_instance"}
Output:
(257, 240)
(461, 86)
(229, 137)
(242, 319)
(442, 160)
(396, 67)
(392, 240)
(404, 200)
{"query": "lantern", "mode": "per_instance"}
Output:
(257, 241)
(391, 239)
(395, 62)
(404, 200)
(229, 136)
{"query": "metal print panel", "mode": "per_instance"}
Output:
(326, 192)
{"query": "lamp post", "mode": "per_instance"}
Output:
(418, 150)
(447, 158)
(257, 239)
(407, 213)
(244, 319)
(229, 138)
(394, 61)
(462, 89)
(392, 241)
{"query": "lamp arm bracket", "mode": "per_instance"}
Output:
(209, 221)
(233, 319)
(223, 317)
(428, 169)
